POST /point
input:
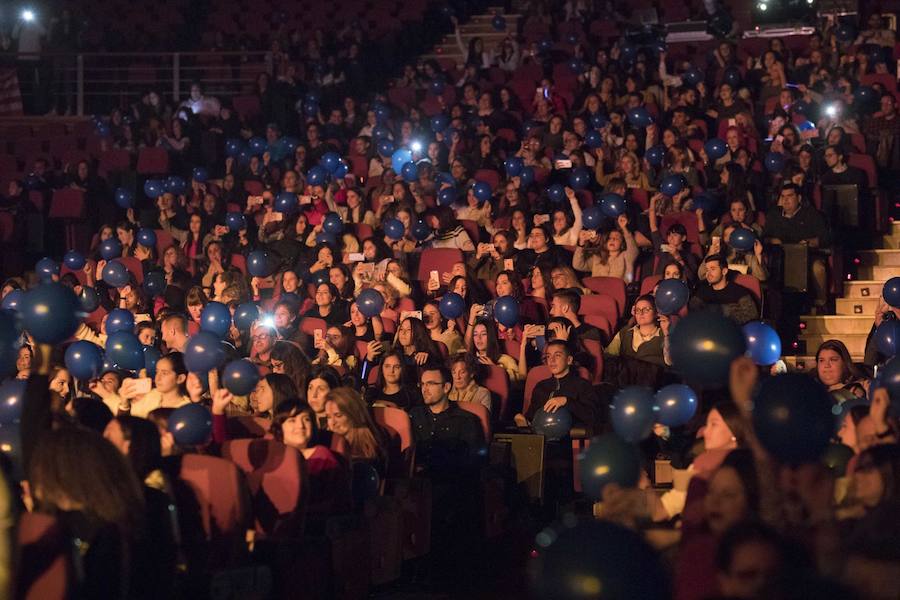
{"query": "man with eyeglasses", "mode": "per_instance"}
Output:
(564, 387)
(445, 434)
(840, 173)
(262, 340)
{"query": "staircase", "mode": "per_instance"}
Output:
(447, 52)
(856, 309)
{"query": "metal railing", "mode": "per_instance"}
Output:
(87, 83)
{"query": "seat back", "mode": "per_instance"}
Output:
(649, 282)
(247, 427)
(497, 381)
(44, 567)
(752, 284)
(397, 422)
(277, 480)
(308, 325)
(610, 286)
(134, 267)
(67, 203)
(437, 259)
(538, 374)
(867, 164)
(480, 411)
(223, 502)
(600, 304)
(601, 323)
(595, 349)
(152, 161)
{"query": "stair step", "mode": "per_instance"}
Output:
(862, 288)
(857, 306)
(856, 343)
(880, 258)
(837, 324)
(879, 273)
(890, 241)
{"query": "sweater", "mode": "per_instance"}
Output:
(581, 399)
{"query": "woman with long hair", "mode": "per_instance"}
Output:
(337, 349)
(413, 341)
(482, 342)
(272, 390)
(288, 358)
(610, 254)
(349, 417)
(442, 330)
(393, 388)
(322, 380)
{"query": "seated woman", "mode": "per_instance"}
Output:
(322, 380)
(365, 329)
(482, 343)
(392, 388)
(287, 358)
(836, 371)
(337, 349)
(488, 261)
(564, 278)
(169, 391)
(508, 283)
(285, 315)
(465, 389)
(448, 232)
(349, 416)
(441, 329)
(196, 300)
(329, 306)
(643, 338)
(414, 342)
(295, 425)
(566, 224)
(611, 254)
(272, 390)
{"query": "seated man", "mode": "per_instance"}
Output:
(733, 300)
(563, 388)
(840, 173)
(446, 435)
(796, 222)
(566, 304)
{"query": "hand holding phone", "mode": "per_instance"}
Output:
(318, 338)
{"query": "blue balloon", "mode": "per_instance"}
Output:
(240, 377)
(146, 237)
(200, 174)
(671, 296)
(452, 305)
(191, 425)
(151, 357)
(318, 175)
(50, 312)
(446, 196)
(553, 426)
(576, 66)
(579, 178)
(323, 237)
(612, 204)
(732, 76)
(703, 345)
(245, 315)
(394, 229)
(506, 311)
(74, 260)
(311, 108)
(88, 299)
(110, 248)
(527, 176)
(891, 292)
(845, 32)
(715, 148)
(409, 172)
(593, 139)
(693, 76)
(675, 405)
(437, 86)
(318, 277)
(639, 117)
(498, 23)
(609, 459)
(887, 338)
(556, 192)
(175, 185)
(513, 166)
(203, 352)
(742, 239)
(381, 131)
(216, 319)
(599, 121)
(125, 351)
(84, 360)
(705, 201)
(482, 190)
(792, 418)
(439, 122)
(421, 230)
(890, 378)
(545, 45)
(119, 319)
(592, 218)
(333, 224)
(116, 274)
(632, 413)
(763, 343)
(330, 160)
(443, 178)
(384, 146)
(13, 300)
(46, 268)
(154, 283)
(259, 264)
(382, 112)
(806, 126)
(257, 146)
(399, 158)
(370, 302)
(579, 558)
(154, 188)
(655, 155)
(286, 202)
(124, 198)
(671, 185)
(9, 337)
(12, 400)
(235, 221)
(233, 147)
(341, 171)
(774, 162)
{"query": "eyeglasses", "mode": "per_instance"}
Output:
(643, 311)
(431, 383)
(261, 336)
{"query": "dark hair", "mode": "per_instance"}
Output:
(282, 388)
(850, 371)
(723, 262)
(745, 533)
(296, 363)
(564, 344)
(518, 291)
(742, 461)
(837, 149)
(677, 228)
(493, 344)
(791, 186)
(731, 414)
(144, 451)
(571, 298)
(291, 408)
(442, 369)
(421, 337)
(326, 374)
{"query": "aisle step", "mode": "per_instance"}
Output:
(856, 306)
(863, 288)
(837, 324)
(889, 257)
(879, 273)
(856, 343)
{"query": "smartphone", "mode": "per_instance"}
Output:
(665, 248)
(539, 330)
(716, 239)
(388, 199)
(508, 264)
(435, 278)
(143, 385)
(540, 341)
(255, 200)
(415, 314)
(732, 122)
(542, 219)
(318, 338)
(356, 257)
(277, 216)
(306, 199)
(564, 164)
